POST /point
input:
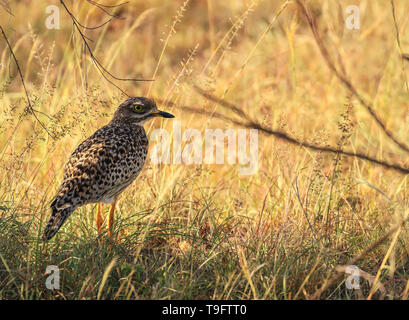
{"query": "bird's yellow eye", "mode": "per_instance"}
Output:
(138, 108)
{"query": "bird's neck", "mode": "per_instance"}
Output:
(126, 122)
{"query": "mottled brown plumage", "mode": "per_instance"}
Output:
(106, 163)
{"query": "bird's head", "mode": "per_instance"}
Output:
(137, 110)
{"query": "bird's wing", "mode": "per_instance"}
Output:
(93, 170)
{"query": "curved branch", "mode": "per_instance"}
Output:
(347, 83)
(247, 122)
(102, 70)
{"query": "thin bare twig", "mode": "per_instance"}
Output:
(6, 6)
(103, 6)
(102, 70)
(92, 28)
(347, 83)
(29, 108)
(398, 42)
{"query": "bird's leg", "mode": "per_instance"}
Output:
(99, 220)
(111, 218)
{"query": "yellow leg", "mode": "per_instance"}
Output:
(111, 218)
(99, 220)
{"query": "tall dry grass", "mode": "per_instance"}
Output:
(204, 231)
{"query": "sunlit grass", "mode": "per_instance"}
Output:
(204, 231)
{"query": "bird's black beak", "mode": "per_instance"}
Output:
(163, 114)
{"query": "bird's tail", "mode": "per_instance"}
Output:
(57, 219)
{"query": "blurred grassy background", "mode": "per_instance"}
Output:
(204, 231)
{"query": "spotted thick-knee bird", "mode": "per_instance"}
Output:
(105, 164)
